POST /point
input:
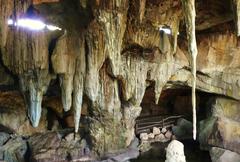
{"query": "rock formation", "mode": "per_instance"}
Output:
(106, 55)
(175, 152)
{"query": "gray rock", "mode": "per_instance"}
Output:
(220, 132)
(3, 138)
(124, 156)
(14, 150)
(183, 129)
(134, 144)
(222, 155)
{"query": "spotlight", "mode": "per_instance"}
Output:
(32, 24)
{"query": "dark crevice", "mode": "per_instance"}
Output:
(51, 48)
(15, 85)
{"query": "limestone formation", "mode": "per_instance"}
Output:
(106, 56)
(175, 152)
(190, 14)
(222, 155)
(236, 7)
(156, 131)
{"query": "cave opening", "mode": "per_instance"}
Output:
(170, 119)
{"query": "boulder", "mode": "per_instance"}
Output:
(221, 129)
(156, 131)
(168, 134)
(160, 137)
(123, 156)
(144, 136)
(3, 138)
(225, 107)
(57, 148)
(220, 132)
(175, 152)
(183, 129)
(222, 155)
(164, 130)
(14, 150)
(151, 136)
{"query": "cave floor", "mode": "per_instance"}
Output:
(191, 149)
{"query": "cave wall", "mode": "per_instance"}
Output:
(111, 51)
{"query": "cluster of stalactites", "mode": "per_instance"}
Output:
(190, 14)
(68, 61)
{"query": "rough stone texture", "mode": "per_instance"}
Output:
(53, 147)
(13, 115)
(4, 138)
(236, 7)
(14, 150)
(175, 152)
(220, 72)
(183, 128)
(6, 80)
(144, 136)
(156, 131)
(222, 155)
(108, 59)
(221, 128)
(220, 132)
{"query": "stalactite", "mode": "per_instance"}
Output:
(33, 87)
(175, 33)
(66, 84)
(190, 14)
(236, 10)
(79, 80)
(29, 61)
(63, 61)
(142, 9)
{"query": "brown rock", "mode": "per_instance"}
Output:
(52, 147)
(160, 137)
(13, 115)
(222, 155)
(151, 136)
(220, 132)
(156, 131)
(144, 136)
(168, 134)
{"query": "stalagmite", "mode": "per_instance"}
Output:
(175, 152)
(236, 10)
(190, 14)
